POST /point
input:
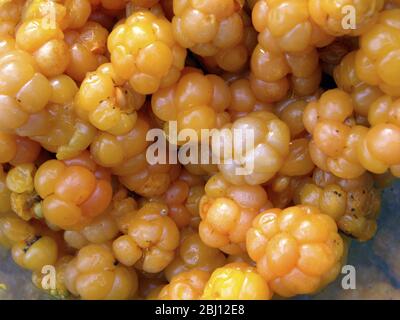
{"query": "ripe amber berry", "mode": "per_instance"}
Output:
(379, 148)
(154, 60)
(354, 204)
(195, 102)
(377, 60)
(252, 149)
(230, 59)
(216, 31)
(41, 32)
(291, 110)
(335, 137)
(227, 212)
(107, 102)
(147, 180)
(183, 197)
(20, 81)
(287, 43)
(298, 162)
(87, 48)
(288, 25)
(283, 190)
(102, 229)
(116, 151)
(94, 275)
(36, 252)
(122, 208)
(333, 17)
(245, 99)
(362, 93)
(193, 253)
(297, 250)
(151, 239)
(71, 14)
(17, 150)
(58, 129)
(236, 281)
(72, 194)
(14, 230)
(187, 285)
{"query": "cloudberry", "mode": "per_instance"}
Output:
(41, 32)
(153, 60)
(151, 239)
(252, 149)
(20, 81)
(379, 148)
(145, 179)
(283, 190)
(291, 110)
(94, 275)
(334, 17)
(297, 250)
(193, 253)
(14, 230)
(36, 252)
(377, 60)
(117, 151)
(107, 102)
(287, 43)
(87, 48)
(362, 93)
(100, 230)
(10, 15)
(220, 31)
(233, 59)
(187, 285)
(227, 212)
(57, 127)
(354, 204)
(334, 136)
(195, 102)
(245, 100)
(74, 191)
(183, 197)
(236, 281)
